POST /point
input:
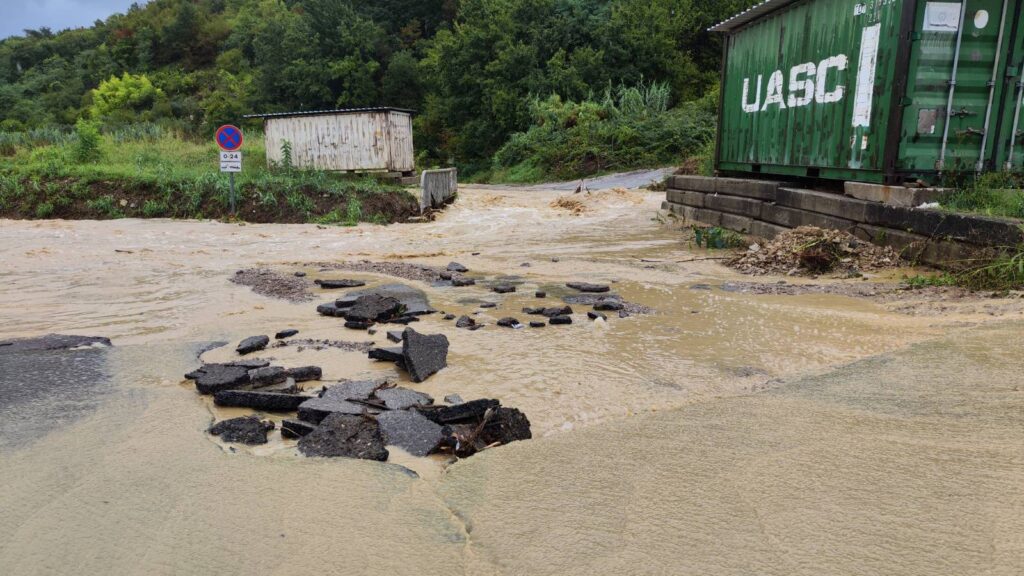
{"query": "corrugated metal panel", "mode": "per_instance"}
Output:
(749, 15)
(365, 141)
(858, 89)
(337, 111)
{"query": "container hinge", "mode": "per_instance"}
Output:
(963, 113)
(951, 83)
(970, 132)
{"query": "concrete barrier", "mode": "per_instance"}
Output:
(767, 209)
(439, 187)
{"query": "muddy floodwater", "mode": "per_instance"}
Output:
(728, 432)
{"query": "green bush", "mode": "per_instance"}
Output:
(44, 210)
(88, 143)
(991, 194)
(154, 209)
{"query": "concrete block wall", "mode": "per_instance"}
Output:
(767, 208)
(439, 187)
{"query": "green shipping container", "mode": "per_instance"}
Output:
(872, 90)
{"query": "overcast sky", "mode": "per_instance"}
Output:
(17, 15)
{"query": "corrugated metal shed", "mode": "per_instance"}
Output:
(349, 139)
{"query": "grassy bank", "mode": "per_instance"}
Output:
(142, 171)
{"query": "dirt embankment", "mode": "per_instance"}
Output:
(74, 199)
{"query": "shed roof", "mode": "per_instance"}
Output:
(327, 112)
(749, 15)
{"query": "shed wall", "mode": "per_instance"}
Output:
(368, 141)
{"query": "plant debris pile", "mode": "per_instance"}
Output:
(810, 251)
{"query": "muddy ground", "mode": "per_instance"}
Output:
(743, 427)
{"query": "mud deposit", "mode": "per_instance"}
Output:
(749, 431)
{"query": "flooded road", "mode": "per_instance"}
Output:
(727, 433)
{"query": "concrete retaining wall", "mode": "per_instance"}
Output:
(765, 209)
(439, 188)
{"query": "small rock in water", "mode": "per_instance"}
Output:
(329, 309)
(557, 311)
(339, 284)
(394, 336)
(525, 265)
(269, 376)
(300, 274)
(265, 401)
(488, 305)
(342, 436)
(533, 311)
(608, 305)
(536, 324)
(509, 323)
(556, 260)
(248, 430)
(296, 428)
(446, 275)
(305, 373)
(253, 344)
(624, 314)
(357, 325)
(561, 320)
(589, 288)
(465, 322)
(285, 334)
(596, 315)
(506, 425)
(453, 400)
(449, 316)
(456, 267)
(402, 398)
(462, 281)
(425, 355)
(410, 431)
(503, 288)
(540, 294)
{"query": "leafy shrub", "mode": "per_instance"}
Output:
(105, 206)
(88, 143)
(153, 209)
(44, 210)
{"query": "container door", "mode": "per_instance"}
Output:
(952, 107)
(1009, 135)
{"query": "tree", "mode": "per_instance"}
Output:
(123, 97)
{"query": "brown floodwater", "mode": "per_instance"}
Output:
(726, 433)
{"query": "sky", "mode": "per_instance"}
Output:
(17, 15)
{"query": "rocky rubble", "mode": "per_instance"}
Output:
(810, 251)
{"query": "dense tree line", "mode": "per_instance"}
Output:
(472, 68)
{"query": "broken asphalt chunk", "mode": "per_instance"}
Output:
(339, 284)
(589, 288)
(402, 398)
(341, 436)
(253, 344)
(510, 323)
(560, 320)
(341, 399)
(394, 336)
(456, 267)
(296, 428)
(503, 288)
(468, 411)
(305, 373)
(269, 376)
(248, 430)
(410, 431)
(285, 334)
(425, 355)
(393, 354)
(265, 401)
(212, 378)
